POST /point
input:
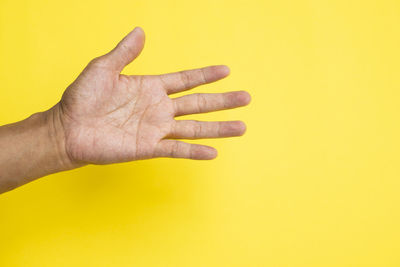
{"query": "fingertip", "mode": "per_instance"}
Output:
(238, 98)
(213, 153)
(241, 127)
(126, 50)
(218, 72)
(232, 128)
(225, 70)
(244, 97)
(206, 153)
(139, 31)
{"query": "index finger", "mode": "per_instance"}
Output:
(184, 80)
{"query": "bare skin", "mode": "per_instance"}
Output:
(106, 117)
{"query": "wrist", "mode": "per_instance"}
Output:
(57, 139)
(32, 148)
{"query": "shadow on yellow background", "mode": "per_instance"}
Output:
(314, 182)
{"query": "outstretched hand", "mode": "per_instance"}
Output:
(108, 117)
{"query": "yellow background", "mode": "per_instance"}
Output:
(314, 182)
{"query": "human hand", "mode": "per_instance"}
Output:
(106, 117)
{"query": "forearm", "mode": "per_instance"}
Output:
(32, 148)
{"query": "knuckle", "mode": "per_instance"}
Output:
(225, 100)
(203, 76)
(172, 130)
(175, 149)
(201, 102)
(219, 129)
(176, 107)
(197, 129)
(192, 153)
(97, 61)
(185, 79)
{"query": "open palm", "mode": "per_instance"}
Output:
(108, 117)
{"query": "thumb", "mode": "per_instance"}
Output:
(126, 50)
